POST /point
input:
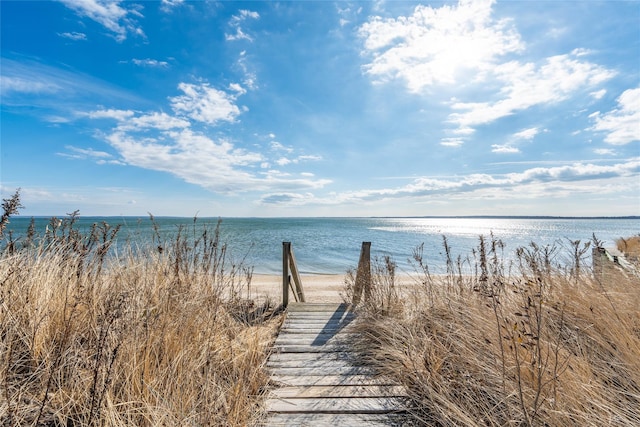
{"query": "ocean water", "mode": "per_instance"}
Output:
(332, 245)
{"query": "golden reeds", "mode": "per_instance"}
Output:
(149, 337)
(538, 342)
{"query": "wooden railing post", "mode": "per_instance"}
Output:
(363, 275)
(289, 265)
(297, 292)
(286, 250)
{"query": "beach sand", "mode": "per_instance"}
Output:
(318, 288)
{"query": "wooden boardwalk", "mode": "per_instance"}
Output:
(318, 382)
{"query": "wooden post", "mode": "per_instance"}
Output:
(363, 275)
(298, 292)
(286, 250)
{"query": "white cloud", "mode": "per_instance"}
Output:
(276, 146)
(312, 158)
(623, 123)
(100, 157)
(580, 52)
(537, 182)
(84, 153)
(237, 88)
(167, 143)
(24, 80)
(14, 84)
(436, 46)
(119, 115)
(244, 14)
(148, 62)
(109, 14)
(168, 5)
(463, 46)
(605, 151)
(451, 142)
(250, 78)
(504, 149)
(205, 104)
(156, 121)
(526, 134)
(73, 36)
(236, 21)
(526, 85)
(464, 131)
(239, 35)
(200, 160)
(282, 161)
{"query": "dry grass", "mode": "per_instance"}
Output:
(155, 337)
(630, 247)
(539, 342)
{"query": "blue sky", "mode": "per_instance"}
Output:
(319, 108)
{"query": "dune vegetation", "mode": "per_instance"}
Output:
(152, 336)
(541, 341)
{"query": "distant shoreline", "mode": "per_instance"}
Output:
(628, 217)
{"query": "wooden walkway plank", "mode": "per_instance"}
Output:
(322, 371)
(342, 391)
(310, 363)
(335, 405)
(316, 357)
(317, 379)
(335, 380)
(334, 420)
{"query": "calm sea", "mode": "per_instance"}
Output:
(332, 245)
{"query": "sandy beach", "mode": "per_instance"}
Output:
(317, 287)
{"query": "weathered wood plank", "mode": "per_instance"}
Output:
(316, 331)
(317, 328)
(313, 340)
(323, 370)
(333, 380)
(310, 309)
(334, 420)
(327, 348)
(341, 391)
(302, 334)
(332, 307)
(311, 357)
(316, 321)
(334, 405)
(322, 314)
(312, 363)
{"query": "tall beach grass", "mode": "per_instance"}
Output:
(153, 336)
(539, 342)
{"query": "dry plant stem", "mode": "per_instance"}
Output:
(10, 206)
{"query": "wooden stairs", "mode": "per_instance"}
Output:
(318, 382)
